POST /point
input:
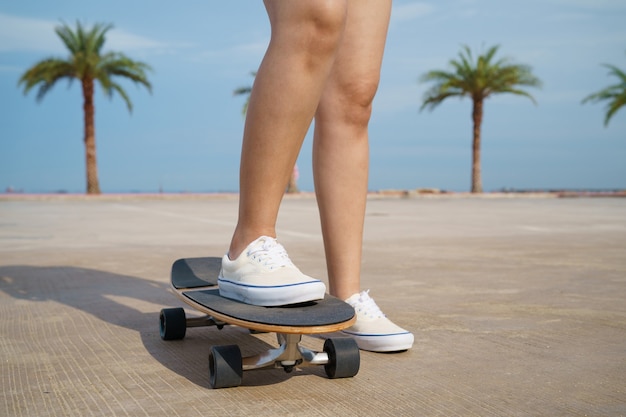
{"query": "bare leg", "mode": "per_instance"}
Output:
(341, 150)
(286, 92)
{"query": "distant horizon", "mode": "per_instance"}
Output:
(304, 191)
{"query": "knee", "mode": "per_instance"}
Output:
(323, 26)
(361, 93)
(351, 101)
(326, 17)
(313, 27)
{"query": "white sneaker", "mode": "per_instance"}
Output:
(372, 330)
(264, 275)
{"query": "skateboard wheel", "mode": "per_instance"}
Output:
(225, 366)
(173, 324)
(343, 358)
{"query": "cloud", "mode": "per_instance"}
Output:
(243, 55)
(37, 35)
(594, 4)
(9, 68)
(27, 34)
(410, 11)
(392, 99)
(121, 40)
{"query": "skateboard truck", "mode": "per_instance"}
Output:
(204, 321)
(340, 356)
(288, 355)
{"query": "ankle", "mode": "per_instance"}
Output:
(344, 288)
(241, 241)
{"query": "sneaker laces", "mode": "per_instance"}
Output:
(268, 252)
(366, 307)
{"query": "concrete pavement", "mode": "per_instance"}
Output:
(517, 306)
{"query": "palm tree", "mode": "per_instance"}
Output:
(292, 186)
(615, 95)
(88, 64)
(245, 91)
(477, 79)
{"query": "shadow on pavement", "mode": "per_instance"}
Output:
(134, 303)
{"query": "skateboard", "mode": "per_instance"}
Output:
(194, 281)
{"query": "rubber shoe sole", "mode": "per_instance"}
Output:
(272, 296)
(396, 342)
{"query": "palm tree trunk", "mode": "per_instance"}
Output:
(93, 185)
(477, 118)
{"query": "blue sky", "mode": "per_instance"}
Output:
(186, 135)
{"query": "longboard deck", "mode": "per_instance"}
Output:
(322, 316)
(194, 280)
(195, 272)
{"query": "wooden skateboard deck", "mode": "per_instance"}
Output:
(194, 281)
